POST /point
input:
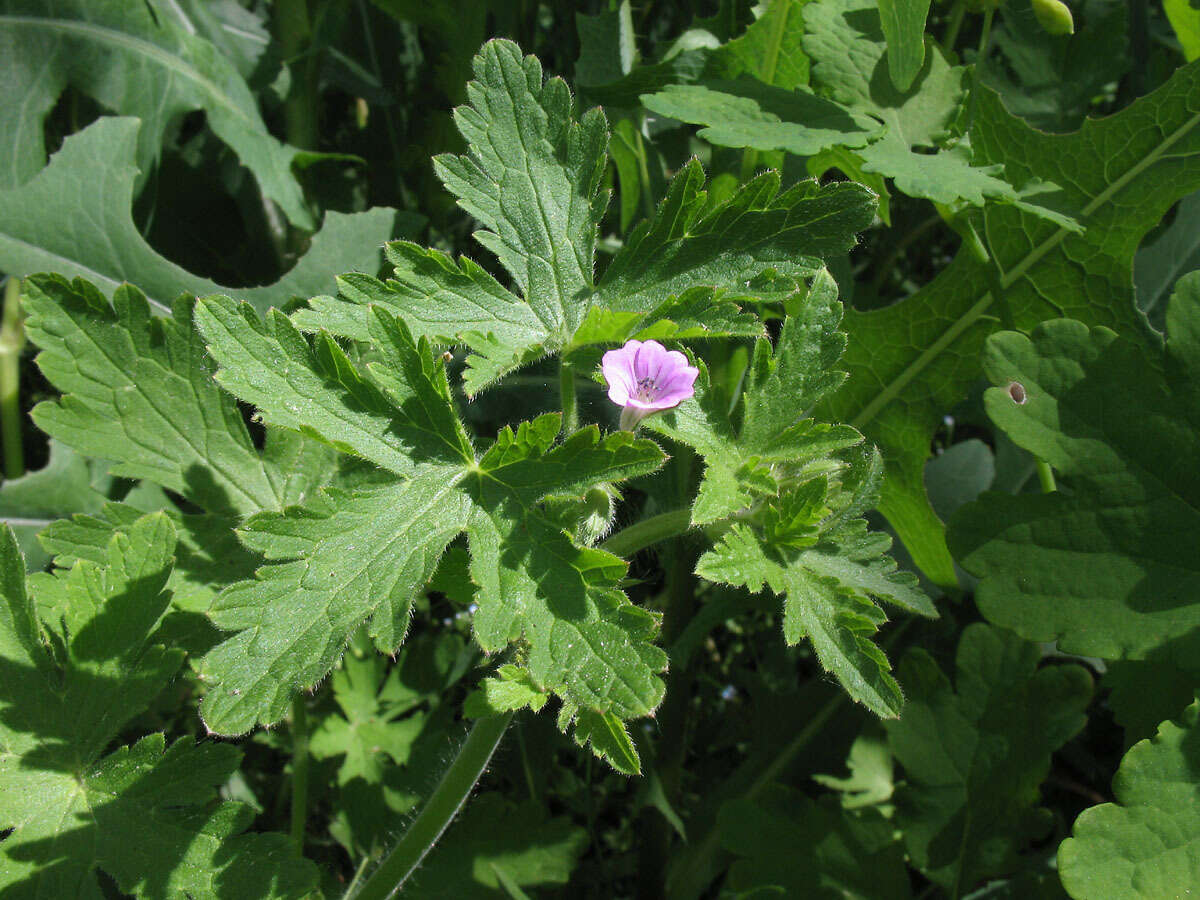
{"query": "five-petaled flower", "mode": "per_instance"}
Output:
(646, 377)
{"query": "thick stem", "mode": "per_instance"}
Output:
(647, 532)
(299, 770)
(443, 805)
(566, 396)
(12, 342)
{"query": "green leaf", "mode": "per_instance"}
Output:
(532, 177)
(1051, 81)
(346, 556)
(1140, 847)
(748, 113)
(1143, 694)
(136, 63)
(783, 384)
(788, 845)
(975, 753)
(1105, 564)
(1185, 19)
(138, 390)
(770, 48)
(387, 717)
(1172, 254)
(338, 561)
(398, 417)
(903, 24)
(606, 734)
(74, 217)
(871, 781)
(835, 617)
(36, 499)
(510, 689)
(495, 844)
(910, 362)
(145, 814)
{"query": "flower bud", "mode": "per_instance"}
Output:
(1054, 16)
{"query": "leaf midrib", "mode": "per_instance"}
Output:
(891, 390)
(103, 34)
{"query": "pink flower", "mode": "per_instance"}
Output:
(646, 378)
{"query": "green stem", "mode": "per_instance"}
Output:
(647, 532)
(12, 342)
(644, 175)
(443, 805)
(985, 37)
(299, 770)
(1046, 476)
(294, 34)
(566, 395)
(956, 21)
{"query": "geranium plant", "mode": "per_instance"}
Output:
(555, 534)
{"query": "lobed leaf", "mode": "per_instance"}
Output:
(1140, 846)
(145, 814)
(975, 753)
(913, 360)
(1103, 565)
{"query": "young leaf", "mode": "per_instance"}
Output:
(1106, 565)
(1139, 847)
(974, 753)
(784, 383)
(144, 814)
(910, 362)
(139, 64)
(836, 618)
(74, 217)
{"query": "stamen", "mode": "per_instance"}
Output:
(647, 389)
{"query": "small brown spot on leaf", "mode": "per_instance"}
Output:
(1016, 390)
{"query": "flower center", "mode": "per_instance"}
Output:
(647, 389)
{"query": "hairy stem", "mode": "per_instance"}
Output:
(647, 532)
(443, 805)
(12, 342)
(299, 770)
